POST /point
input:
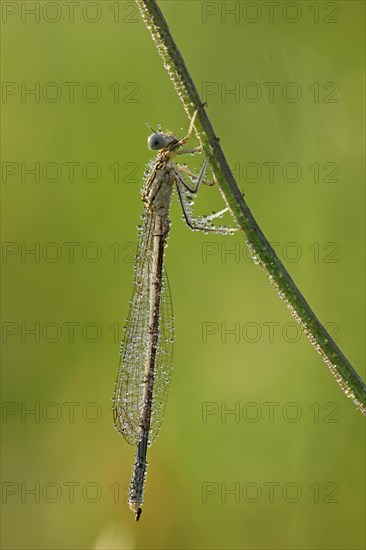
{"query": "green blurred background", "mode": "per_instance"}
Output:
(311, 449)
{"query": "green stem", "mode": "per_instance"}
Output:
(260, 249)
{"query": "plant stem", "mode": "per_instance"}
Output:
(261, 251)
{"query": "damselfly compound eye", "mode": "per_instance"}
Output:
(156, 141)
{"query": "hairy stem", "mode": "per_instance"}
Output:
(260, 249)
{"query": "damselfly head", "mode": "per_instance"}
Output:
(159, 141)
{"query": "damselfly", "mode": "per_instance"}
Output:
(146, 353)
